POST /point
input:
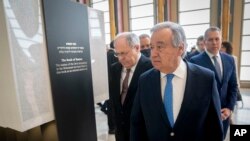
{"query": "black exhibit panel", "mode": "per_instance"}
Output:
(67, 37)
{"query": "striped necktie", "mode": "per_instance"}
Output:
(125, 86)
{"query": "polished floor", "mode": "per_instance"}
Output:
(102, 126)
(241, 116)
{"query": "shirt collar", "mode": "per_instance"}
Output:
(211, 55)
(179, 72)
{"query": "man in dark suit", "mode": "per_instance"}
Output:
(108, 108)
(201, 47)
(224, 68)
(186, 108)
(124, 79)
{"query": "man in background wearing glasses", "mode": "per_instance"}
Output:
(124, 77)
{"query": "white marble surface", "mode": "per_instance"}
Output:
(98, 54)
(102, 126)
(29, 102)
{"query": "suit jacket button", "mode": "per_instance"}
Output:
(172, 134)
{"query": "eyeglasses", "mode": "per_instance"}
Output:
(121, 54)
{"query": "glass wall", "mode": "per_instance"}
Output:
(103, 5)
(245, 44)
(141, 16)
(194, 16)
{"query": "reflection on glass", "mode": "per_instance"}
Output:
(103, 5)
(28, 54)
(24, 40)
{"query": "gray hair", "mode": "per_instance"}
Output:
(211, 29)
(200, 38)
(178, 32)
(144, 36)
(131, 38)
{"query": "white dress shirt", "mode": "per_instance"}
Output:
(131, 73)
(179, 83)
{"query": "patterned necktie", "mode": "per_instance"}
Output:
(125, 86)
(217, 67)
(168, 99)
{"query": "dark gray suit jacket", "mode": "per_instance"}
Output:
(122, 112)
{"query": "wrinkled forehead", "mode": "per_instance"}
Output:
(162, 36)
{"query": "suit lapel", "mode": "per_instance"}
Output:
(208, 64)
(224, 65)
(156, 96)
(188, 96)
(134, 80)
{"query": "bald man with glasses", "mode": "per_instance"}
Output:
(123, 80)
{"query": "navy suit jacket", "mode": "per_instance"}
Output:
(122, 112)
(199, 118)
(227, 88)
(190, 55)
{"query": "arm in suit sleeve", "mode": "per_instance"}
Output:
(213, 124)
(232, 89)
(137, 123)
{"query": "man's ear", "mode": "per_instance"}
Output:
(137, 47)
(181, 49)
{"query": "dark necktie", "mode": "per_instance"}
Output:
(125, 86)
(217, 67)
(168, 99)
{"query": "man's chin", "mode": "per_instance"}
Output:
(156, 66)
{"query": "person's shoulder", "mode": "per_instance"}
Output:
(227, 58)
(110, 51)
(116, 65)
(197, 58)
(225, 55)
(194, 53)
(199, 69)
(149, 74)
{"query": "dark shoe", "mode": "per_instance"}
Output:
(111, 131)
(99, 103)
(104, 111)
